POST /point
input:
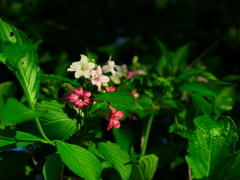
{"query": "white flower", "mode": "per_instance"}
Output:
(82, 67)
(110, 67)
(121, 70)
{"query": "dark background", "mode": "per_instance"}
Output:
(126, 28)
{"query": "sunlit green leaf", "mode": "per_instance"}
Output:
(26, 69)
(211, 143)
(55, 122)
(15, 112)
(148, 166)
(116, 98)
(136, 173)
(119, 158)
(79, 160)
(10, 139)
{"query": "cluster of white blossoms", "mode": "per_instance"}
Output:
(85, 68)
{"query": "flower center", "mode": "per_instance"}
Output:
(84, 67)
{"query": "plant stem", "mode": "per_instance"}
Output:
(40, 126)
(146, 133)
(42, 132)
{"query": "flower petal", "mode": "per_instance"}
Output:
(86, 74)
(116, 124)
(78, 74)
(84, 60)
(119, 114)
(106, 68)
(104, 79)
(91, 65)
(99, 71)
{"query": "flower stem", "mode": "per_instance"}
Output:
(42, 132)
(40, 126)
(146, 133)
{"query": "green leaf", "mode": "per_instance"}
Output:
(55, 122)
(10, 139)
(59, 78)
(116, 98)
(225, 100)
(136, 173)
(166, 154)
(180, 58)
(231, 167)
(211, 143)
(198, 87)
(79, 160)
(8, 88)
(148, 165)
(99, 106)
(12, 163)
(26, 69)
(181, 129)
(124, 138)
(185, 75)
(162, 64)
(14, 52)
(15, 112)
(197, 106)
(119, 158)
(53, 167)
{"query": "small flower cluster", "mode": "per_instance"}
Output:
(80, 97)
(85, 68)
(122, 71)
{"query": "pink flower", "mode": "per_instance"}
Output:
(98, 78)
(66, 97)
(113, 118)
(110, 89)
(79, 98)
(131, 74)
(202, 79)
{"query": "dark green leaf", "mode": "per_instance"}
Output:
(199, 87)
(53, 167)
(79, 160)
(124, 138)
(179, 61)
(12, 162)
(59, 78)
(8, 88)
(197, 106)
(162, 64)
